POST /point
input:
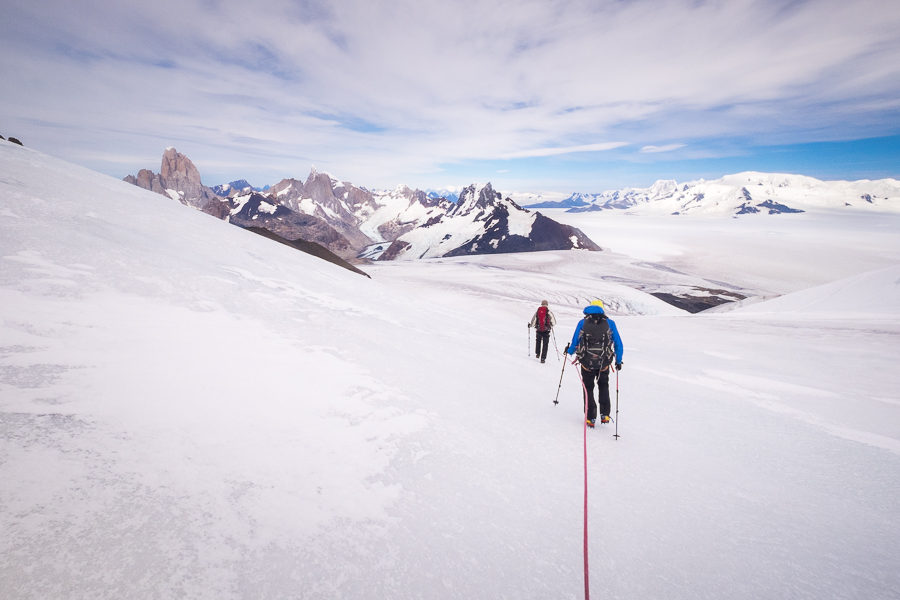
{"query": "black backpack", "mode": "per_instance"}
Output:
(595, 344)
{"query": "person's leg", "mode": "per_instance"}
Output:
(603, 391)
(537, 343)
(545, 343)
(588, 378)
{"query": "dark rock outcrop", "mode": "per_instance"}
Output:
(312, 248)
(703, 299)
(396, 248)
(777, 208)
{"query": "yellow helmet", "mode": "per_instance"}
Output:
(597, 303)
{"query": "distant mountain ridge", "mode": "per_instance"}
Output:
(576, 200)
(236, 187)
(451, 195)
(356, 223)
(740, 194)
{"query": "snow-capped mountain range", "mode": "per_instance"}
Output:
(356, 223)
(353, 221)
(482, 222)
(741, 194)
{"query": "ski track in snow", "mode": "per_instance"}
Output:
(188, 410)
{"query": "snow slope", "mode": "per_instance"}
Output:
(190, 410)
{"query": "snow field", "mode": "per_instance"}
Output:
(189, 410)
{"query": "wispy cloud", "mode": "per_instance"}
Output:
(657, 149)
(535, 152)
(384, 93)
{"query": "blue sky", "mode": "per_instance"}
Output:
(534, 96)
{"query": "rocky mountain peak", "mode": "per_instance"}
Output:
(177, 176)
(318, 185)
(475, 198)
(291, 188)
(180, 172)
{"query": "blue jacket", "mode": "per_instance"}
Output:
(617, 339)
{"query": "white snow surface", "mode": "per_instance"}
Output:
(188, 410)
(393, 205)
(268, 208)
(520, 222)
(239, 203)
(440, 238)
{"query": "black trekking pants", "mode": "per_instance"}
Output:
(602, 378)
(541, 342)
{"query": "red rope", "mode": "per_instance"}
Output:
(587, 587)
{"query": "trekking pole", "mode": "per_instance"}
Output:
(529, 341)
(555, 345)
(556, 400)
(616, 434)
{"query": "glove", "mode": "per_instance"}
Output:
(566, 351)
(618, 366)
(529, 325)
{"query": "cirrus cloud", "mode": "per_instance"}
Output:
(386, 93)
